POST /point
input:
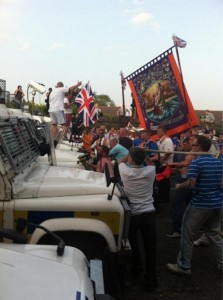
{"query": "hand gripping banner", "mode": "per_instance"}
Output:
(160, 96)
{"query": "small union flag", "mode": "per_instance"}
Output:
(86, 107)
(179, 42)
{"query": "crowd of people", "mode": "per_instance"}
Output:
(146, 167)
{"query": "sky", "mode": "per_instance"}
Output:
(93, 40)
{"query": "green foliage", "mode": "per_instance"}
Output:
(38, 109)
(103, 100)
(75, 110)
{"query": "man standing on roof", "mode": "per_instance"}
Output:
(56, 102)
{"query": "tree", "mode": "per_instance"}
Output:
(103, 100)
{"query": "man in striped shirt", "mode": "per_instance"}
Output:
(205, 209)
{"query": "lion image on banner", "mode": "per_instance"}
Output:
(161, 100)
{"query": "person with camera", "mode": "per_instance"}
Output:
(137, 172)
(19, 94)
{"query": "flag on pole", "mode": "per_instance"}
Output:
(86, 106)
(123, 81)
(178, 42)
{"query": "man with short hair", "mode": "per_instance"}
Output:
(205, 209)
(164, 144)
(117, 151)
(181, 197)
(149, 144)
(209, 117)
(138, 174)
(56, 102)
(124, 139)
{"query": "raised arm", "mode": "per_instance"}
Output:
(74, 87)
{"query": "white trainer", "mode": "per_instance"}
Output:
(176, 269)
(202, 241)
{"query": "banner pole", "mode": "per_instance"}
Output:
(123, 102)
(123, 85)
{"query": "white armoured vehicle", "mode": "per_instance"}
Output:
(58, 194)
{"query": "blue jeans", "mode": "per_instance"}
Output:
(194, 219)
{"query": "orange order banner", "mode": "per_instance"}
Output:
(160, 96)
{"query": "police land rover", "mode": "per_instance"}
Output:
(50, 188)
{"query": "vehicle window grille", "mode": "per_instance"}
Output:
(19, 147)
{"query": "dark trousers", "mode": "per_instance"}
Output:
(144, 224)
(181, 199)
(164, 190)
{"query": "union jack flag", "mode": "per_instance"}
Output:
(179, 42)
(86, 107)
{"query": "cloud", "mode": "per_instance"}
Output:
(55, 46)
(24, 45)
(138, 2)
(4, 37)
(109, 47)
(144, 18)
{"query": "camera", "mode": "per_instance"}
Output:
(37, 87)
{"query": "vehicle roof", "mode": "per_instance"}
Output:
(36, 272)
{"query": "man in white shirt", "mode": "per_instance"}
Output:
(138, 181)
(164, 144)
(209, 117)
(56, 102)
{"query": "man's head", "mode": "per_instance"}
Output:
(113, 142)
(145, 135)
(136, 156)
(103, 127)
(161, 131)
(123, 132)
(59, 84)
(201, 143)
(69, 96)
(185, 144)
(101, 133)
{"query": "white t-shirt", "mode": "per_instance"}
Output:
(69, 109)
(210, 118)
(166, 144)
(56, 100)
(138, 186)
